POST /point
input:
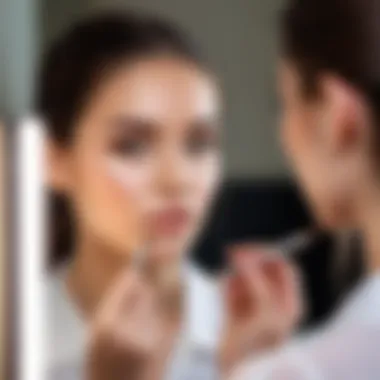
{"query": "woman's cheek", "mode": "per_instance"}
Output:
(287, 134)
(120, 189)
(293, 140)
(209, 177)
(129, 180)
(127, 200)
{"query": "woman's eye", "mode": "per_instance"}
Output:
(130, 147)
(202, 144)
(199, 146)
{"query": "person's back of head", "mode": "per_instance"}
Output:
(336, 36)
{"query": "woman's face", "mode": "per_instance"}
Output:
(325, 144)
(145, 162)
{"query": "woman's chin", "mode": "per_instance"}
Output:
(167, 251)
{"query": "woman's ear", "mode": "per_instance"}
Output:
(344, 115)
(57, 167)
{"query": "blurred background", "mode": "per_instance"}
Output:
(238, 37)
(258, 201)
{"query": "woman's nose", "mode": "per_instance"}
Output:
(174, 174)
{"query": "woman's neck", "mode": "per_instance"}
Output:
(92, 272)
(371, 230)
(95, 268)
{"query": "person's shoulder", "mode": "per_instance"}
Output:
(330, 355)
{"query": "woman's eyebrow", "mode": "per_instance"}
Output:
(205, 122)
(133, 122)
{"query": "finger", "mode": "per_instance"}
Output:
(256, 266)
(250, 269)
(122, 292)
(131, 337)
(143, 307)
(294, 297)
(257, 252)
(141, 328)
(237, 299)
(286, 290)
(285, 278)
(235, 251)
(278, 276)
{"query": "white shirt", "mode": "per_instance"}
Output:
(347, 348)
(198, 341)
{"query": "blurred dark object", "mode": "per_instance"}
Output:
(260, 211)
(266, 211)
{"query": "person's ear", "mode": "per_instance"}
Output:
(343, 117)
(57, 168)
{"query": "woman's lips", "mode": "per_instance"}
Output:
(171, 221)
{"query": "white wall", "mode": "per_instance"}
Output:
(239, 37)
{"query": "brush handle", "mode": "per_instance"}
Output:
(297, 243)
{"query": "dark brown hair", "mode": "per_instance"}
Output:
(338, 36)
(75, 64)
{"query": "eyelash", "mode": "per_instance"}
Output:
(201, 145)
(137, 147)
(130, 147)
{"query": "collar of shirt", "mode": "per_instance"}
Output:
(363, 305)
(67, 332)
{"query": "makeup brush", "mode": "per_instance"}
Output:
(297, 243)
